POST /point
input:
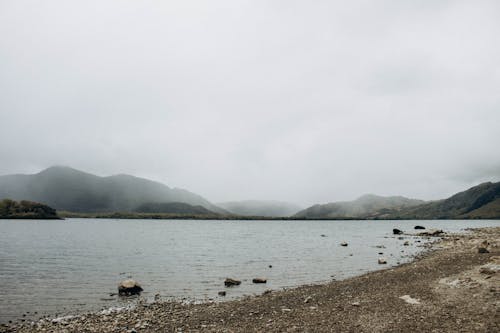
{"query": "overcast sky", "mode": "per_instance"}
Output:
(303, 101)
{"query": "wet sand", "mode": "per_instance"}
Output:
(452, 288)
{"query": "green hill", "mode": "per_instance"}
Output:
(76, 191)
(10, 209)
(480, 201)
(173, 208)
(367, 206)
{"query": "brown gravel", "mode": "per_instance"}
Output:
(457, 290)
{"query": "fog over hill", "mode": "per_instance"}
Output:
(69, 189)
(481, 201)
(362, 207)
(298, 101)
(260, 208)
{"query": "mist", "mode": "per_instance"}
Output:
(307, 102)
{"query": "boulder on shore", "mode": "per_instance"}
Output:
(431, 232)
(129, 287)
(482, 250)
(396, 231)
(259, 280)
(231, 282)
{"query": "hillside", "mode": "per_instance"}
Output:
(260, 208)
(367, 206)
(481, 201)
(72, 190)
(10, 209)
(173, 208)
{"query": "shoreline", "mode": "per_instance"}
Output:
(446, 285)
(170, 216)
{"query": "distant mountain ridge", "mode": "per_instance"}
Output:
(366, 206)
(267, 208)
(69, 189)
(478, 202)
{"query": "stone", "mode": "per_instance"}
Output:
(397, 231)
(419, 227)
(222, 293)
(431, 232)
(410, 300)
(382, 261)
(483, 250)
(490, 269)
(487, 270)
(343, 244)
(129, 287)
(259, 280)
(231, 282)
(406, 243)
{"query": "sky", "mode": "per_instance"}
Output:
(300, 101)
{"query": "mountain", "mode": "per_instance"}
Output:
(481, 201)
(260, 208)
(68, 189)
(173, 208)
(366, 206)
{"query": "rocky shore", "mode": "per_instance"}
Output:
(453, 288)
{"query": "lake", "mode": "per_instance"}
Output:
(65, 266)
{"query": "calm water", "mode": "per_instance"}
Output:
(56, 267)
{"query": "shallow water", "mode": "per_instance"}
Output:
(64, 266)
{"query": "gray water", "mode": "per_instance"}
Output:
(67, 266)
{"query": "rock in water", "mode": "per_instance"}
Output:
(397, 231)
(259, 280)
(343, 244)
(231, 282)
(129, 287)
(382, 261)
(419, 227)
(222, 293)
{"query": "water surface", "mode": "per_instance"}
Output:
(64, 266)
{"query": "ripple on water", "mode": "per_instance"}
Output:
(74, 265)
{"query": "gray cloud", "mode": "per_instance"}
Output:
(300, 101)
